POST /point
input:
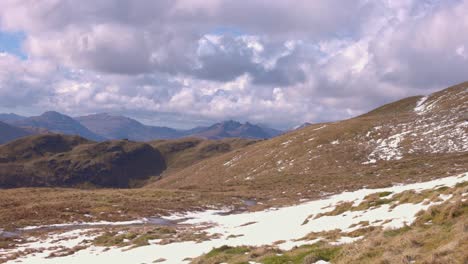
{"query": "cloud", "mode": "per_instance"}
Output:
(104, 48)
(224, 58)
(425, 51)
(23, 82)
(272, 62)
(131, 37)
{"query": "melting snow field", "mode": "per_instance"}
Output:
(252, 228)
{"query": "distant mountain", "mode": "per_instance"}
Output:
(231, 129)
(121, 127)
(271, 131)
(195, 130)
(306, 124)
(11, 117)
(58, 123)
(102, 126)
(9, 132)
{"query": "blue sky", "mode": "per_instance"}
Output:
(10, 42)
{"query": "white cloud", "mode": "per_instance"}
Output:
(23, 82)
(272, 62)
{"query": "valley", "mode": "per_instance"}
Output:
(182, 237)
(233, 132)
(312, 194)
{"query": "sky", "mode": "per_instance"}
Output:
(184, 63)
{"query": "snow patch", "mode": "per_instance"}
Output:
(271, 225)
(387, 149)
(318, 128)
(420, 106)
(231, 162)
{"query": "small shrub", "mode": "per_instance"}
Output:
(396, 232)
(384, 194)
(227, 250)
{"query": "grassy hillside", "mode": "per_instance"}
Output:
(22, 207)
(437, 235)
(60, 160)
(410, 140)
(71, 161)
(181, 153)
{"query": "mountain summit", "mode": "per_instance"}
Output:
(59, 123)
(11, 117)
(231, 128)
(120, 127)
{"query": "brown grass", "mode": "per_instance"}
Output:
(306, 164)
(40, 206)
(255, 171)
(439, 235)
(181, 153)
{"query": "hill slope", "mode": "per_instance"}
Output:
(58, 123)
(301, 126)
(181, 153)
(8, 132)
(60, 160)
(423, 136)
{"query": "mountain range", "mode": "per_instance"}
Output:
(395, 177)
(100, 127)
(392, 143)
(55, 122)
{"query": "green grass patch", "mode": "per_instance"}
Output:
(397, 231)
(461, 184)
(110, 239)
(384, 194)
(305, 254)
(443, 188)
(227, 250)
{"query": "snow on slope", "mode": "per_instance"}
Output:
(442, 131)
(253, 228)
(420, 106)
